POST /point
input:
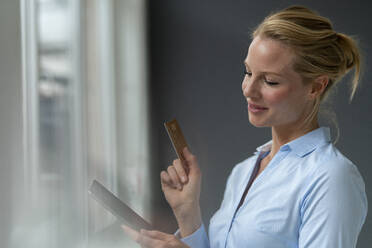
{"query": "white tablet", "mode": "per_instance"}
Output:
(118, 208)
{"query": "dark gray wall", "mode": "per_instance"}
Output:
(196, 54)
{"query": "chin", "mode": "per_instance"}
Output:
(258, 123)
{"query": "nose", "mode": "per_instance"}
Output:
(250, 87)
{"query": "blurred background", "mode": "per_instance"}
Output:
(86, 85)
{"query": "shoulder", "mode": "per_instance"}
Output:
(328, 161)
(334, 188)
(334, 178)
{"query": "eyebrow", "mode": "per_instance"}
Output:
(266, 72)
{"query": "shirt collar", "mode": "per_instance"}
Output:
(304, 144)
(265, 147)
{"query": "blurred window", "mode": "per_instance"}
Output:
(86, 100)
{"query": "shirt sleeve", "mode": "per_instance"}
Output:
(334, 207)
(198, 239)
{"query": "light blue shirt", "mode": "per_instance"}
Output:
(309, 195)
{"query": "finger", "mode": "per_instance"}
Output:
(165, 178)
(156, 234)
(175, 179)
(170, 182)
(166, 181)
(133, 234)
(180, 170)
(146, 241)
(164, 238)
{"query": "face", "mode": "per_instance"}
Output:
(275, 93)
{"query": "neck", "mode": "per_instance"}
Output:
(283, 134)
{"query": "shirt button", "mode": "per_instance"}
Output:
(284, 148)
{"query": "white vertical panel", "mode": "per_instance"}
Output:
(116, 107)
(78, 149)
(134, 165)
(100, 104)
(30, 105)
(107, 80)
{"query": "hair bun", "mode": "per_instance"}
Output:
(347, 46)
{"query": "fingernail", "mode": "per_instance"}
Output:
(183, 178)
(179, 186)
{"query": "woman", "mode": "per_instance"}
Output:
(298, 190)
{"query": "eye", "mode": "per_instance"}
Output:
(270, 82)
(247, 73)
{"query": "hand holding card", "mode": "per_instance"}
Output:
(182, 196)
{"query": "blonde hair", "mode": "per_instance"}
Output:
(320, 50)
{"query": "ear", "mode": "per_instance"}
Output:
(318, 86)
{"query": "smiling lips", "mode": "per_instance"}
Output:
(256, 108)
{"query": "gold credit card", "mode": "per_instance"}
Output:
(176, 136)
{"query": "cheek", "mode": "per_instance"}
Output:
(275, 98)
(287, 103)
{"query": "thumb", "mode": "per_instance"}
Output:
(133, 234)
(191, 160)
